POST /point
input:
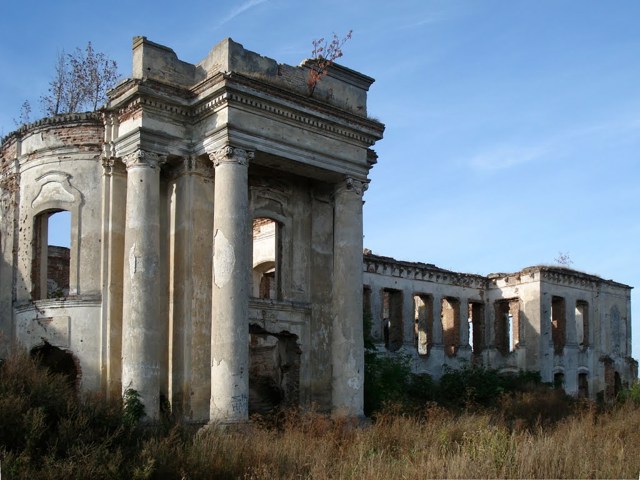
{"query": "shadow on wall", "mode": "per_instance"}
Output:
(57, 361)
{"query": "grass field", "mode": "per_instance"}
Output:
(47, 432)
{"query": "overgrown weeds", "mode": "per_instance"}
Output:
(47, 431)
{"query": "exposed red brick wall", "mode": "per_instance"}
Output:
(58, 262)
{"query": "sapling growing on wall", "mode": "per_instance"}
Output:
(80, 81)
(323, 55)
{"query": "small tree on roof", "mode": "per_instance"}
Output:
(80, 81)
(323, 55)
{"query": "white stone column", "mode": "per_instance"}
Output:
(142, 328)
(347, 348)
(230, 290)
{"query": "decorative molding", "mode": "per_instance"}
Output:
(305, 119)
(225, 98)
(143, 158)
(387, 266)
(113, 166)
(229, 154)
(352, 185)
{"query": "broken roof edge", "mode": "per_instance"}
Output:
(561, 271)
(342, 86)
(368, 255)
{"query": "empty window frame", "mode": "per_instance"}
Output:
(476, 327)
(392, 319)
(423, 308)
(266, 259)
(583, 385)
(507, 325)
(558, 380)
(558, 324)
(450, 319)
(51, 255)
(582, 323)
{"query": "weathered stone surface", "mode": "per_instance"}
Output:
(163, 292)
(554, 320)
(163, 187)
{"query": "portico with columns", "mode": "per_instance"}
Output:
(210, 149)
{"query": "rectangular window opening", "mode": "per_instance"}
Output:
(558, 324)
(423, 308)
(450, 318)
(476, 327)
(582, 323)
(52, 255)
(392, 319)
(507, 325)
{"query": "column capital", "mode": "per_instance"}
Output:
(352, 185)
(229, 154)
(112, 166)
(143, 158)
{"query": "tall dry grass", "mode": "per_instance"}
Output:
(47, 432)
(438, 444)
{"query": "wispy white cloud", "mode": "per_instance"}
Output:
(239, 10)
(506, 156)
(562, 144)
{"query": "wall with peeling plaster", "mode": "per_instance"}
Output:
(608, 341)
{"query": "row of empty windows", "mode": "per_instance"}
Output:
(507, 331)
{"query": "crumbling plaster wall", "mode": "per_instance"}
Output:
(380, 273)
(525, 288)
(596, 310)
(58, 162)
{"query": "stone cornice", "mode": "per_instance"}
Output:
(57, 120)
(420, 271)
(314, 115)
(560, 275)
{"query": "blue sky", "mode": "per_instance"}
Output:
(513, 127)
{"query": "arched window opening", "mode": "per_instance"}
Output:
(57, 361)
(558, 380)
(583, 385)
(52, 255)
(450, 318)
(266, 259)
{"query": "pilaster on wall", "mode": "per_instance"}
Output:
(190, 267)
(347, 334)
(114, 191)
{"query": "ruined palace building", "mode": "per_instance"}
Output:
(216, 258)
